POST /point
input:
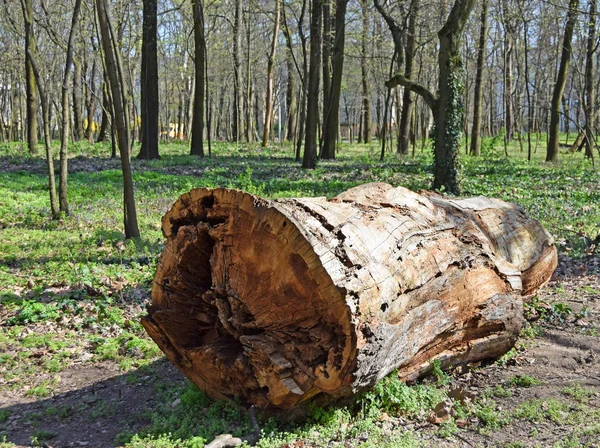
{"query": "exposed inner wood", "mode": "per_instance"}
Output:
(276, 301)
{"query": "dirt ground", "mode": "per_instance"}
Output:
(96, 402)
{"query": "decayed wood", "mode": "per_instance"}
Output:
(277, 301)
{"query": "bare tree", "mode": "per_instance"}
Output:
(561, 80)
(309, 159)
(447, 105)
(149, 83)
(114, 70)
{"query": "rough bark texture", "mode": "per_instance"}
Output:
(478, 100)
(197, 143)
(117, 85)
(331, 120)
(277, 301)
(561, 81)
(149, 82)
(309, 159)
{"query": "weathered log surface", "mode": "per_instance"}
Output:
(277, 301)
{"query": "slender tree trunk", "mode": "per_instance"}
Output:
(248, 99)
(64, 137)
(270, 68)
(332, 116)
(326, 53)
(305, 75)
(407, 99)
(121, 120)
(508, 75)
(528, 90)
(561, 80)
(590, 91)
(37, 77)
(290, 98)
(105, 114)
(91, 105)
(309, 159)
(365, 117)
(149, 82)
(30, 84)
(478, 99)
(197, 147)
(77, 102)
(237, 72)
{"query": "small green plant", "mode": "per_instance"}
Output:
(246, 183)
(39, 437)
(4, 414)
(32, 312)
(578, 393)
(489, 415)
(523, 381)
(42, 390)
(559, 313)
(436, 369)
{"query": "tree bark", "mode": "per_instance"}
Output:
(290, 96)
(77, 101)
(149, 82)
(270, 69)
(561, 80)
(447, 106)
(40, 85)
(106, 119)
(331, 122)
(91, 105)
(309, 159)
(66, 90)
(478, 94)
(277, 301)
(365, 117)
(590, 90)
(197, 145)
(237, 72)
(407, 100)
(30, 80)
(120, 119)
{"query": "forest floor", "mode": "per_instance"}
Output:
(76, 368)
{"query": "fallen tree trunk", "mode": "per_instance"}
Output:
(277, 301)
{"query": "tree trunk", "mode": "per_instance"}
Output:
(478, 99)
(149, 82)
(105, 114)
(30, 82)
(407, 100)
(40, 85)
(309, 159)
(326, 53)
(120, 119)
(331, 123)
(304, 92)
(77, 101)
(270, 68)
(365, 116)
(197, 146)
(561, 80)
(64, 137)
(590, 91)
(277, 301)
(237, 72)
(290, 96)
(91, 105)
